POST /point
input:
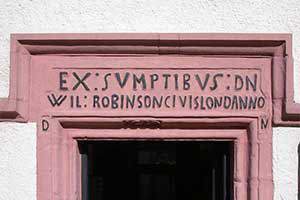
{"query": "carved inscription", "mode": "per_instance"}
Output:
(56, 100)
(137, 89)
(45, 125)
(264, 122)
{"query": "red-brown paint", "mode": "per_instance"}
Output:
(43, 65)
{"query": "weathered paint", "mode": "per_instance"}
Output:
(46, 75)
(36, 97)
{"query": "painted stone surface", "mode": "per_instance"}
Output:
(171, 86)
(158, 86)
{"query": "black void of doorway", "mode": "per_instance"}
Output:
(157, 170)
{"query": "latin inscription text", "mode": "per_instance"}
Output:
(158, 90)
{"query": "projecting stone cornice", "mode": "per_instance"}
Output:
(277, 47)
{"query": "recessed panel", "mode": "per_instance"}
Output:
(152, 86)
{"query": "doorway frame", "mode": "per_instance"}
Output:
(56, 179)
(59, 163)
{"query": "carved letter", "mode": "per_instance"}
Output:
(62, 81)
(139, 80)
(106, 81)
(202, 85)
(253, 83)
(56, 101)
(45, 125)
(215, 86)
(154, 77)
(80, 81)
(123, 82)
(238, 83)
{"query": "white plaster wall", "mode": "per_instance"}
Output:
(285, 160)
(17, 141)
(17, 161)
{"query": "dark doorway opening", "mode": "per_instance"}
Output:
(157, 170)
